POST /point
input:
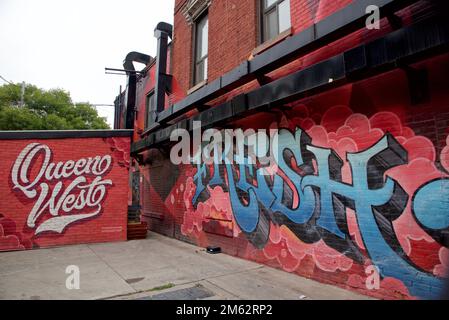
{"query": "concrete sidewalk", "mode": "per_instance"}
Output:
(155, 268)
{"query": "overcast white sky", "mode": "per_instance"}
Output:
(68, 43)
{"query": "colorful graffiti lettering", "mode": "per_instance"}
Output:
(63, 190)
(350, 201)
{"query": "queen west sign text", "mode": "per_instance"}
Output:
(70, 191)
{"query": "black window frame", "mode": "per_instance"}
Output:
(148, 110)
(196, 44)
(264, 11)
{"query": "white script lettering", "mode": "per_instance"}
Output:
(65, 205)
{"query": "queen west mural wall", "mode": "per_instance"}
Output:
(63, 191)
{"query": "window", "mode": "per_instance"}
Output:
(201, 49)
(150, 110)
(275, 18)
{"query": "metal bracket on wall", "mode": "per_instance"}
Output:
(263, 79)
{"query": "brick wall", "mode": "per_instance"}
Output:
(351, 119)
(398, 251)
(305, 12)
(63, 191)
(232, 37)
(182, 49)
(234, 33)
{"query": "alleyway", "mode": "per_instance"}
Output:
(156, 268)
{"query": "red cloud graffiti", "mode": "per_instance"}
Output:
(343, 131)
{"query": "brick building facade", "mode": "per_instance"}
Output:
(361, 189)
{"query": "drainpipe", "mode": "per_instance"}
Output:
(162, 32)
(130, 99)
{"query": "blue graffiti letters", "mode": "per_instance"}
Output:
(306, 194)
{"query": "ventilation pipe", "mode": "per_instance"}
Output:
(130, 99)
(162, 32)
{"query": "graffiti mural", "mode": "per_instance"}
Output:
(57, 192)
(79, 197)
(358, 191)
(347, 199)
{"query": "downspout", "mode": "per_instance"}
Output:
(130, 100)
(162, 32)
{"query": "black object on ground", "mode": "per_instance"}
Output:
(213, 250)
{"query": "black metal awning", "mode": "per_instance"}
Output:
(401, 47)
(343, 22)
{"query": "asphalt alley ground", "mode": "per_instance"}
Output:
(157, 268)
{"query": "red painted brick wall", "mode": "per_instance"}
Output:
(94, 196)
(348, 119)
(234, 34)
(304, 13)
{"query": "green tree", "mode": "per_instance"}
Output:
(45, 110)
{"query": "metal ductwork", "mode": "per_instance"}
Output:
(130, 99)
(162, 32)
(134, 56)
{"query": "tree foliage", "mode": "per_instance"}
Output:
(45, 110)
